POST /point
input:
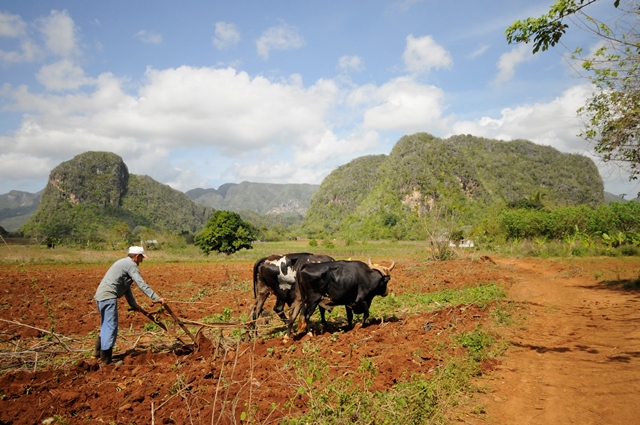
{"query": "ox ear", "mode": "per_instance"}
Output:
(393, 264)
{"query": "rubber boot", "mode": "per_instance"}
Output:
(105, 356)
(96, 350)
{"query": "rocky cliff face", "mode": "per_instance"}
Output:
(94, 191)
(93, 177)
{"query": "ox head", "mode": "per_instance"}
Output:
(385, 272)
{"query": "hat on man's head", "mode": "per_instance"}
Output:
(137, 250)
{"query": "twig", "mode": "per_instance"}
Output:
(215, 397)
(41, 330)
(153, 419)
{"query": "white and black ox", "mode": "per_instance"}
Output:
(276, 274)
(353, 284)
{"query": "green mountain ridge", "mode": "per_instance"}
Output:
(389, 196)
(94, 192)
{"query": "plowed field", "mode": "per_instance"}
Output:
(574, 353)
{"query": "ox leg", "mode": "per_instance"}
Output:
(279, 309)
(322, 318)
(261, 296)
(349, 317)
(364, 307)
(293, 315)
(309, 309)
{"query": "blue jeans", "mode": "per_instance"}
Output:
(108, 322)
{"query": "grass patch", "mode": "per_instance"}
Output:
(418, 399)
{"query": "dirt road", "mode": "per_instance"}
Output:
(575, 355)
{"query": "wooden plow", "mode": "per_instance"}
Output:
(182, 323)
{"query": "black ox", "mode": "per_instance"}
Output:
(276, 275)
(353, 284)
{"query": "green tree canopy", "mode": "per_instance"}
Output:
(611, 116)
(225, 232)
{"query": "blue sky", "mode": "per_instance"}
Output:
(201, 93)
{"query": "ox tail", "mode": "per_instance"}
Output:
(256, 266)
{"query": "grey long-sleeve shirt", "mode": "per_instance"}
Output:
(118, 280)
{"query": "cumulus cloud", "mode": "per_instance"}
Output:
(403, 105)
(282, 37)
(12, 26)
(62, 75)
(554, 123)
(423, 54)
(508, 62)
(149, 37)
(60, 33)
(227, 35)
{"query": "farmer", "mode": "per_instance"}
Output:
(116, 283)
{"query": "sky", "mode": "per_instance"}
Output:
(206, 92)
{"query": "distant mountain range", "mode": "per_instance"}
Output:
(263, 198)
(419, 166)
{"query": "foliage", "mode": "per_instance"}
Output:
(460, 180)
(225, 232)
(92, 199)
(611, 115)
(614, 225)
(547, 30)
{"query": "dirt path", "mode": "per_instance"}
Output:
(575, 357)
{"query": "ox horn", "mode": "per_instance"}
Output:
(369, 262)
(393, 264)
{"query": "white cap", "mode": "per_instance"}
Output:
(137, 250)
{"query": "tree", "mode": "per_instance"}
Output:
(611, 117)
(225, 232)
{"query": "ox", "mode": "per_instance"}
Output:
(276, 275)
(353, 284)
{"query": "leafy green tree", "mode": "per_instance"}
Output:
(225, 232)
(612, 115)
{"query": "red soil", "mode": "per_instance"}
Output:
(573, 357)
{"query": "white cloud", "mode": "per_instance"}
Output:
(424, 54)
(508, 62)
(62, 75)
(60, 33)
(554, 123)
(12, 26)
(24, 165)
(227, 35)
(350, 63)
(402, 105)
(283, 37)
(149, 37)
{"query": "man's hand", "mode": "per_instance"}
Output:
(160, 300)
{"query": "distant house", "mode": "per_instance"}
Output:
(465, 243)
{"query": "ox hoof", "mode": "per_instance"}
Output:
(285, 340)
(310, 334)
